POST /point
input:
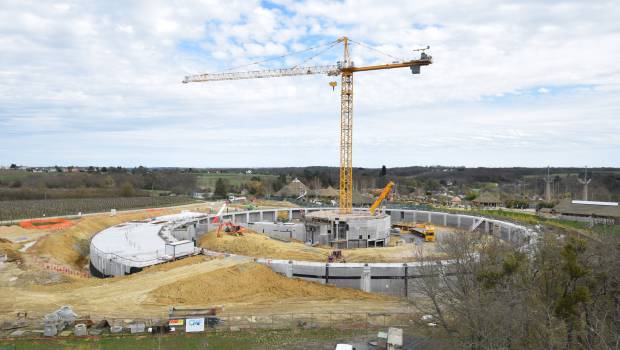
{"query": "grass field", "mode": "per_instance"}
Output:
(208, 180)
(262, 339)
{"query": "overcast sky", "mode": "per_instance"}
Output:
(523, 83)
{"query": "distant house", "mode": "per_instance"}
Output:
(198, 195)
(588, 211)
(295, 189)
(456, 201)
(488, 200)
(328, 192)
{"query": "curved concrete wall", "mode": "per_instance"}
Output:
(396, 279)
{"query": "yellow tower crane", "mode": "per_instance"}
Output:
(345, 69)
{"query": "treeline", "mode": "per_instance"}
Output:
(516, 183)
(255, 187)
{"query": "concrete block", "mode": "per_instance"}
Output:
(50, 330)
(18, 333)
(137, 328)
(80, 330)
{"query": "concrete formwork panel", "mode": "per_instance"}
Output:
(344, 277)
(269, 215)
(466, 222)
(452, 220)
(240, 218)
(255, 216)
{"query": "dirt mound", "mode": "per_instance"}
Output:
(173, 265)
(248, 283)
(71, 246)
(260, 246)
(9, 249)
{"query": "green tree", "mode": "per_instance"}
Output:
(127, 189)
(221, 188)
(256, 188)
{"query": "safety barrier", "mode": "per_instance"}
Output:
(67, 271)
(46, 224)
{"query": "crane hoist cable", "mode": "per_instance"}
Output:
(375, 49)
(318, 54)
(330, 44)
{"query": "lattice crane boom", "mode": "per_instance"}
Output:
(345, 69)
(270, 73)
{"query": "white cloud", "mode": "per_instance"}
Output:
(100, 82)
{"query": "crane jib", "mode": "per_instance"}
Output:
(330, 70)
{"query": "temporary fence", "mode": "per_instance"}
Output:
(31, 327)
(46, 224)
(59, 268)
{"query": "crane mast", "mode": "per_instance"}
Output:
(345, 69)
(346, 134)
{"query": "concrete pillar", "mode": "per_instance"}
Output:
(509, 233)
(429, 217)
(458, 221)
(261, 215)
(406, 278)
(289, 269)
(365, 280)
(486, 226)
(415, 216)
(247, 217)
(445, 219)
(290, 215)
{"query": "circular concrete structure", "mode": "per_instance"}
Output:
(358, 229)
(158, 240)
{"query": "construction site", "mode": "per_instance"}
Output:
(221, 257)
(220, 263)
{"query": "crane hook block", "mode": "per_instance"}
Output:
(333, 84)
(415, 69)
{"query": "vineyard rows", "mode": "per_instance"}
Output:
(23, 209)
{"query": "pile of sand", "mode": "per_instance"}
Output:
(248, 283)
(9, 249)
(260, 246)
(181, 262)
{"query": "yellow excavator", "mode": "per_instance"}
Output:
(382, 196)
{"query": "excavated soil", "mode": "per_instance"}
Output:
(248, 283)
(248, 288)
(260, 246)
(200, 281)
(9, 249)
(179, 263)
